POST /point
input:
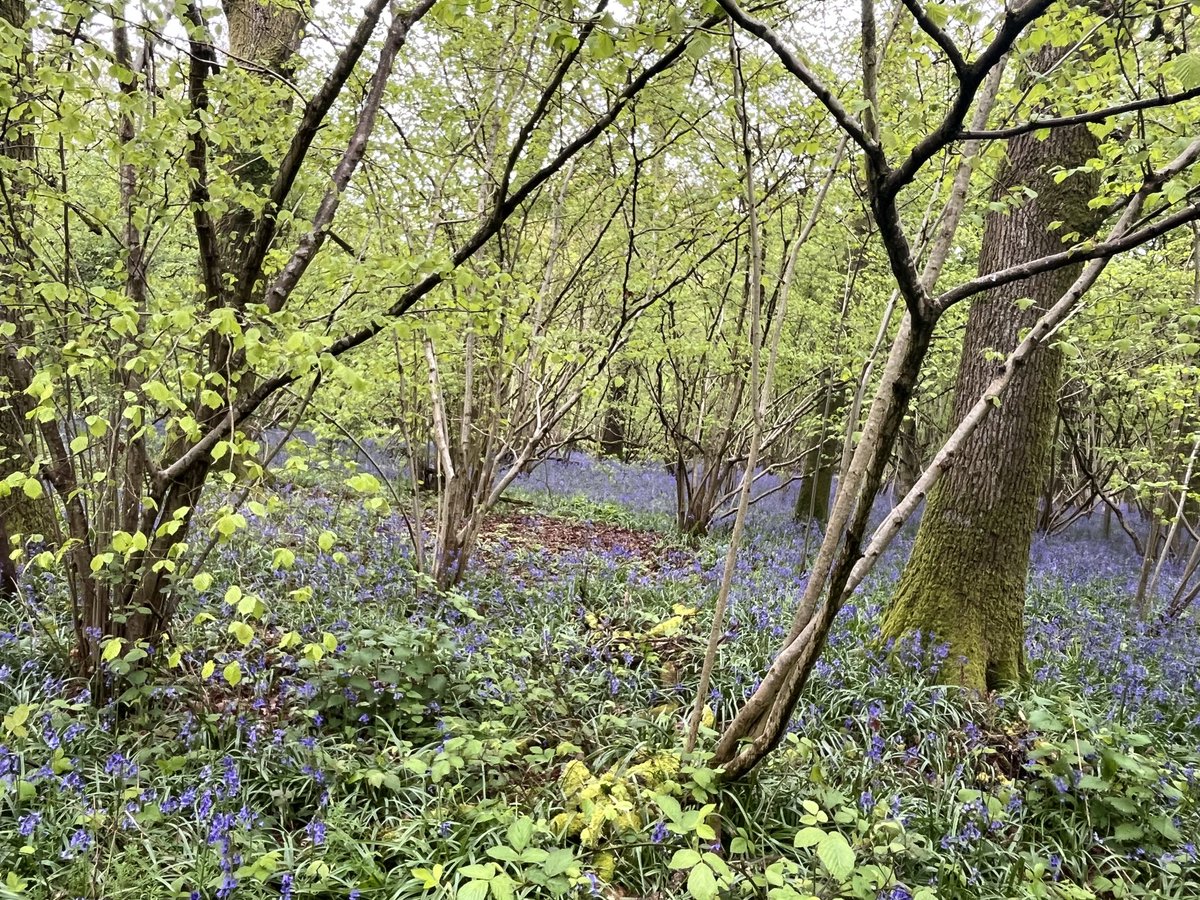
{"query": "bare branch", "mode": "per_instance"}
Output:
(1085, 118)
(410, 297)
(798, 67)
(1082, 253)
(970, 79)
(202, 60)
(939, 37)
(311, 242)
(310, 122)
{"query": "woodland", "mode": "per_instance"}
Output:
(628, 449)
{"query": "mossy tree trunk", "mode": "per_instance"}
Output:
(965, 581)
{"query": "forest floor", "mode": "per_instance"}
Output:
(520, 737)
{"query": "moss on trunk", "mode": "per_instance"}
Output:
(965, 582)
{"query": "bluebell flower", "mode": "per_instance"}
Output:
(28, 824)
(316, 832)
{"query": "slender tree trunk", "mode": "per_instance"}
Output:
(908, 459)
(19, 513)
(821, 461)
(965, 581)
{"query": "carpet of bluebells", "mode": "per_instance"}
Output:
(521, 737)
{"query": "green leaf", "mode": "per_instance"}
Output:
(558, 862)
(1167, 828)
(684, 859)
(1187, 70)
(502, 887)
(701, 883)
(473, 890)
(670, 806)
(232, 673)
(519, 832)
(836, 855)
(808, 837)
(1127, 831)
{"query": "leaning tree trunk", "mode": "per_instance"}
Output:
(965, 581)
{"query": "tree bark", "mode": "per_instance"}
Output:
(19, 514)
(613, 432)
(908, 459)
(965, 581)
(821, 461)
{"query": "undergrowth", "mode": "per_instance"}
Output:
(522, 738)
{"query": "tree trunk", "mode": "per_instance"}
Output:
(821, 463)
(908, 459)
(263, 38)
(612, 434)
(19, 514)
(965, 581)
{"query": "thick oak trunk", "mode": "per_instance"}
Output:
(965, 581)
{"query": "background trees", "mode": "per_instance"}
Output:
(461, 237)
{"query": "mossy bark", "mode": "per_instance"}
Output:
(965, 581)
